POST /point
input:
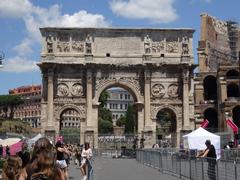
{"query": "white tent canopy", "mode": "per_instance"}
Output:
(197, 138)
(34, 139)
(9, 141)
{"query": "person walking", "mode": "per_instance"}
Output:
(210, 154)
(24, 154)
(86, 156)
(61, 162)
(7, 151)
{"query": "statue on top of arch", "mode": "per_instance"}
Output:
(88, 44)
(147, 45)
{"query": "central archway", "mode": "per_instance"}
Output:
(121, 117)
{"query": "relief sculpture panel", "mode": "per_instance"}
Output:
(172, 47)
(157, 47)
(172, 90)
(158, 90)
(77, 89)
(63, 44)
(62, 89)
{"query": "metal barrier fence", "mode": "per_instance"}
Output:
(115, 153)
(193, 168)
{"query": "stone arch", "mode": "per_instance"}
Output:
(236, 115)
(133, 91)
(154, 111)
(232, 90)
(210, 88)
(212, 116)
(167, 128)
(232, 74)
(69, 106)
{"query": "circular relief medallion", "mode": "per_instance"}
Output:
(77, 90)
(173, 91)
(158, 90)
(62, 89)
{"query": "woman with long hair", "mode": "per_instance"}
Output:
(12, 168)
(61, 162)
(42, 164)
(86, 156)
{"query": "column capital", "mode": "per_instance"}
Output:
(147, 74)
(185, 75)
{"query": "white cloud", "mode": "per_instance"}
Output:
(15, 8)
(19, 64)
(83, 19)
(157, 11)
(35, 17)
(24, 48)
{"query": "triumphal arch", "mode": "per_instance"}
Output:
(154, 65)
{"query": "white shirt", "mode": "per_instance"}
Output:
(87, 153)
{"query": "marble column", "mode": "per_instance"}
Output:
(185, 76)
(89, 98)
(50, 100)
(147, 104)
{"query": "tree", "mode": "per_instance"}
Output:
(104, 126)
(15, 126)
(121, 121)
(104, 115)
(130, 125)
(9, 101)
(103, 98)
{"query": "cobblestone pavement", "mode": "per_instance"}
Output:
(120, 169)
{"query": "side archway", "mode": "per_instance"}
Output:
(80, 109)
(166, 125)
(69, 118)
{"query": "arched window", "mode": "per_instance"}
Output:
(232, 90)
(210, 88)
(232, 74)
(236, 115)
(211, 115)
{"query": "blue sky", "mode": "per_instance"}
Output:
(21, 19)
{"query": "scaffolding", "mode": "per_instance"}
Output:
(232, 27)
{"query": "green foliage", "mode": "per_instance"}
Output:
(130, 125)
(15, 126)
(104, 115)
(121, 121)
(9, 101)
(103, 98)
(166, 120)
(70, 131)
(104, 127)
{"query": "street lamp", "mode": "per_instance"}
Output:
(2, 56)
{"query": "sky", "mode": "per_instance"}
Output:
(20, 20)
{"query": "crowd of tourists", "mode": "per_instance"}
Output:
(46, 161)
